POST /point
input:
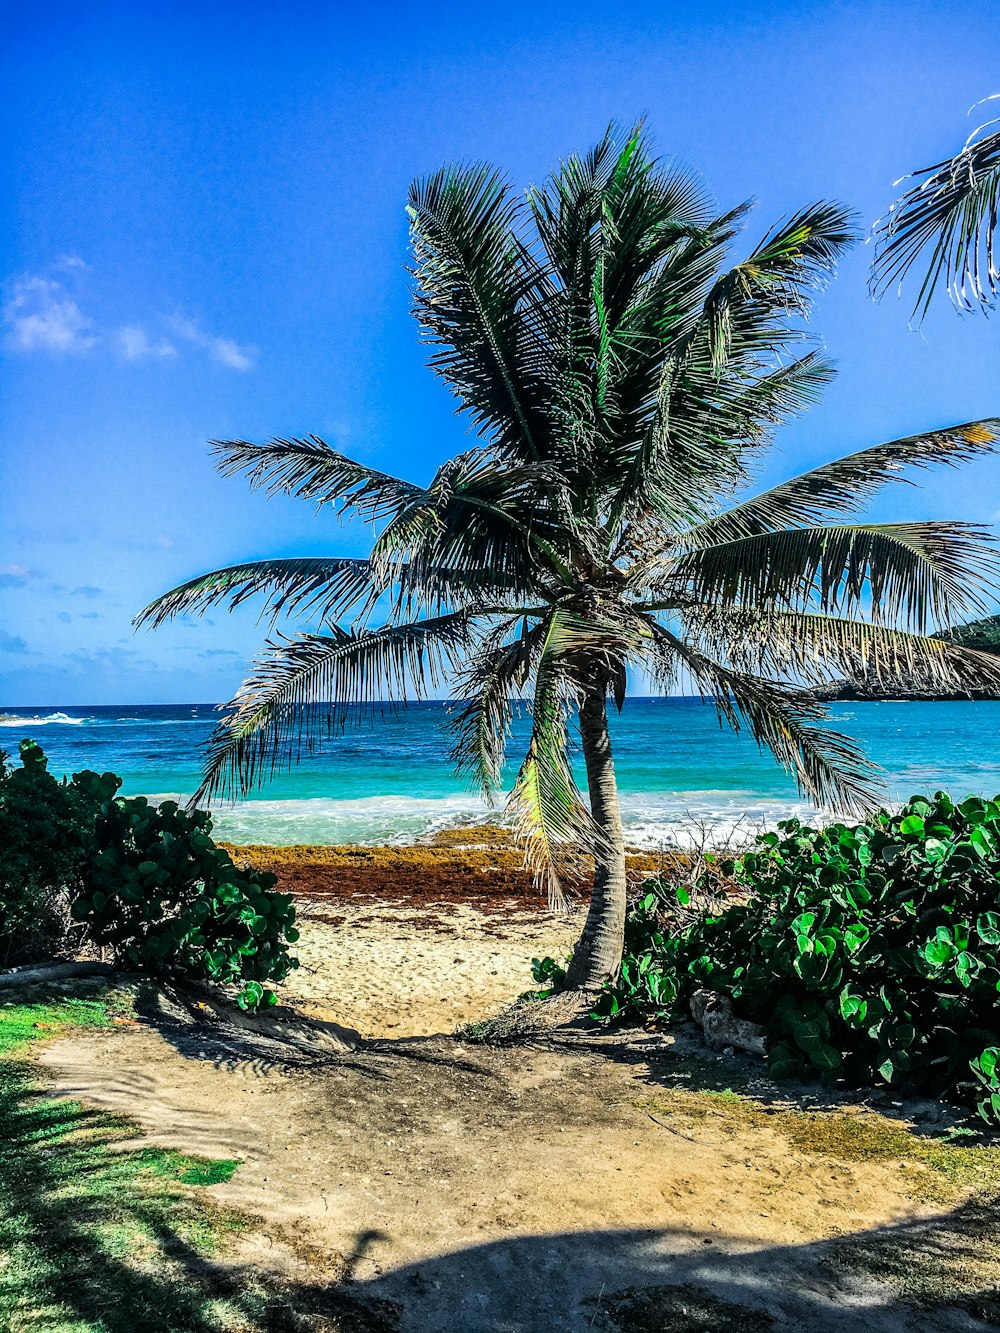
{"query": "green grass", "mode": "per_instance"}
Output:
(946, 1167)
(96, 1237)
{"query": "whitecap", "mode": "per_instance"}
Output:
(60, 719)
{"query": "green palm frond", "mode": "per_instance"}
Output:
(473, 278)
(917, 574)
(306, 685)
(794, 260)
(549, 818)
(816, 649)
(479, 513)
(828, 767)
(949, 219)
(495, 672)
(846, 484)
(315, 586)
(311, 470)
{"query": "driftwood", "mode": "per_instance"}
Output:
(42, 972)
(714, 1013)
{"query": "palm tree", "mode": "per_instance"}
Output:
(622, 387)
(950, 216)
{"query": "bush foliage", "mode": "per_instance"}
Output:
(869, 952)
(146, 880)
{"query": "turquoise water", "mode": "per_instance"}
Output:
(390, 780)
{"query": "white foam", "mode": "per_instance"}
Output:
(652, 820)
(59, 719)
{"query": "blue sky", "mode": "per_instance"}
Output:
(205, 237)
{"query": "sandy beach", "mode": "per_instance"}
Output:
(419, 940)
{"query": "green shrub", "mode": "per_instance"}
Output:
(869, 952)
(42, 826)
(149, 882)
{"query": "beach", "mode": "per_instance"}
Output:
(420, 940)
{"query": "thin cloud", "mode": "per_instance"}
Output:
(81, 590)
(226, 351)
(40, 316)
(15, 576)
(134, 344)
(12, 643)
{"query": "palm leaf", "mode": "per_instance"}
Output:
(310, 469)
(915, 573)
(488, 681)
(845, 484)
(950, 218)
(791, 262)
(473, 278)
(319, 586)
(549, 817)
(827, 767)
(814, 649)
(305, 685)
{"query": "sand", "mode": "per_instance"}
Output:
(419, 940)
(492, 1191)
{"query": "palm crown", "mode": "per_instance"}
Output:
(622, 384)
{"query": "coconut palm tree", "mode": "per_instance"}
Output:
(622, 385)
(949, 217)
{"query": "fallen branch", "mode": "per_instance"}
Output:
(42, 972)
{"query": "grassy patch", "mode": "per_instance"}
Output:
(96, 1238)
(863, 1136)
(679, 1309)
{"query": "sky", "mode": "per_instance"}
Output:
(204, 237)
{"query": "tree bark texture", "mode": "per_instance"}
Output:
(598, 954)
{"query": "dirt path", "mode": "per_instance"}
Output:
(498, 1192)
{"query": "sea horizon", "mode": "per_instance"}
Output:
(389, 778)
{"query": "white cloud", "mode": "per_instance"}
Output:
(224, 350)
(40, 316)
(135, 345)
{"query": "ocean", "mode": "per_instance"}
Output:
(389, 780)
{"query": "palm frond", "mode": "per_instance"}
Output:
(480, 513)
(915, 574)
(472, 279)
(310, 469)
(816, 649)
(318, 586)
(791, 262)
(846, 484)
(827, 766)
(497, 669)
(949, 218)
(549, 817)
(306, 685)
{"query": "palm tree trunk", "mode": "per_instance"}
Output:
(598, 955)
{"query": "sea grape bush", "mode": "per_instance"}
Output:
(40, 820)
(869, 952)
(149, 882)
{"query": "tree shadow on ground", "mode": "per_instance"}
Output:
(941, 1274)
(98, 1236)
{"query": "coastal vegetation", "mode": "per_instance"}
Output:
(81, 866)
(869, 954)
(623, 377)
